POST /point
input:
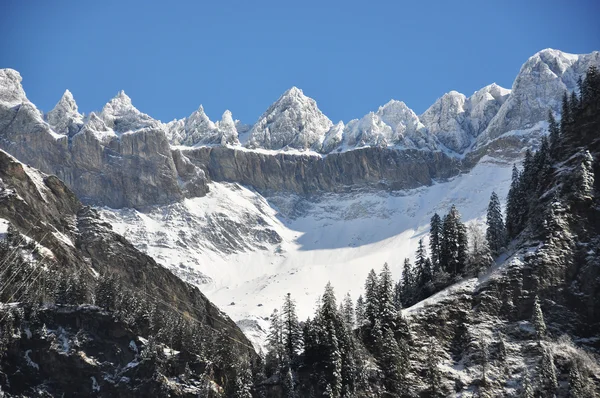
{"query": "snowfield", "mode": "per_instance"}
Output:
(245, 251)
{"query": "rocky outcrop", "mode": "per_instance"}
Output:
(198, 129)
(539, 86)
(105, 162)
(294, 121)
(65, 118)
(369, 167)
(44, 209)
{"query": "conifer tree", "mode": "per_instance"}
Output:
(106, 292)
(513, 203)
(527, 390)
(554, 134)
(454, 245)
(390, 362)
(243, 382)
(480, 256)
(387, 310)
(579, 383)
(327, 319)
(433, 374)
(275, 343)
(435, 240)
(360, 311)
(423, 272)
(496, 231)
(565, 117)
(289, 385)
(584, 177)
(292, 333)
(371, 297)
(538, 319)
(547, 372)
(348, 311)
(398, 295)
(408, 284)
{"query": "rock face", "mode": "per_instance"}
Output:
(198, 129)
(393, 124)
(539, 86)
(65, 118)
(122, 157)
(43, 208)
(105, 162)
(294, 121)
(456, 120)
(369, 167)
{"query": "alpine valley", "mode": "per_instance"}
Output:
(144, 258)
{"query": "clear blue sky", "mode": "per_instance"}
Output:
(351, 56)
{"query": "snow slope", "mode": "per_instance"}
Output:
(246, 251)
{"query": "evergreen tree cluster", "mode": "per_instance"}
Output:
(576, 130)
(451, 255)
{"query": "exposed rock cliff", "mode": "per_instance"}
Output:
(114, 167)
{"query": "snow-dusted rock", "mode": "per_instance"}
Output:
(294, 121)
(198, 129)
(11, 90)
(538, 87)
(120, 115)
(483, 106)
(227, 130)
(65, 117)
(448, 120)
(393, 124)
(333, 138)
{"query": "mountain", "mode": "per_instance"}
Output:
(295, 203)
(456, 120)
(198, 129)
(51, 243)
(539, 86)
(294, 121)
(65, 118)
(105, 162)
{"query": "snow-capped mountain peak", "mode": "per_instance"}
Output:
(11, 90)
(538, 87)
(65, 118)
(294, 120)
(120, 115)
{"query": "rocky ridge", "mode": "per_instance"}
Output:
(122, 157)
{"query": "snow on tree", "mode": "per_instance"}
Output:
(291, 331)
(243, 382)
(527, 390)
(106, 292)
(371, 297)
(435, 239)
(580, 385)
(480, 257)
(387, 310)
(432, 370)
(584, 177)
(360, 311)
(289, 385)
(547, 373)
(423, 271)
(554, 133)
(453, 254)
(538, 319)
(275, 343)
(496, 231)
(348, 311)
(513, 203)
(408, 284)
